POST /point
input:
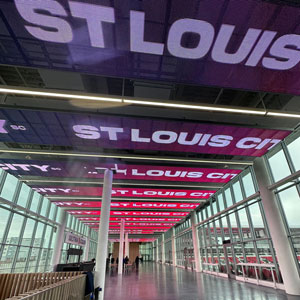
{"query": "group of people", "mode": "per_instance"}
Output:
(112, 261)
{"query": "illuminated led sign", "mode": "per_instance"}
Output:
(134, 172)
(139, 219)
(101, 131)
(134, 205)
(132, 213)
(126, 192)
(207, 42)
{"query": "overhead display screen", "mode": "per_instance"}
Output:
(82, 169)
(103, 131)
(133, 205)
(244, 44)
(126, 192)
(132, 213)
(140, 219)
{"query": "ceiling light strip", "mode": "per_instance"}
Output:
(94, 97)
(226, 162)
(57, 95)
(197, 107)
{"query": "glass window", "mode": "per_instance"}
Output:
(15, 229)
(244, 223)
(237, 192)
(9, 187)
(279, 166)
(28, 232)
(248, 184)
(293, 149)
(47, 236)
(291, 205)
(221, 202)
(35, 202)
(21, 260)
(44, 208)
(4, 215)
(52, 212)
(24, 195)
(228, 197)
(7, 258)
(39, 235)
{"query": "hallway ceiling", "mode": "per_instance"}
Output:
(61, 147)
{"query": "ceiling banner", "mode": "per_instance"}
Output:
(125, 192)
(86, 169)
(105, 131)
(133, 205)
(132, 213)
(244, 44)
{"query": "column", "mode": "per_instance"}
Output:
(59, 239)
(126, 245)
(173, 247)
(121, 247)
(198, 263)
(163, 255)
(103, 234)
(277, 229)
(157, 254)
(87, 246)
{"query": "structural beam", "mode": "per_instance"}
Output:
(59, 239)
(279, 235)
(121, 247)
(103, 234)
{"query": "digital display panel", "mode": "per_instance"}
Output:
(140, 219)
(105, 131)
(126, 192)
(123, 172)
(243, 44)
(133, 205)
(132, 213)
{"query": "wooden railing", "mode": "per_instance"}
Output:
(16, 284)
(68, 289)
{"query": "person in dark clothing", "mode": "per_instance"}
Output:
(117, 260)
(126, 260)
(112, 260)
(137, 260)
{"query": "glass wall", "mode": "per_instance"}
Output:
(28, 225)
(239, 235)
(184, 245)
(283, 161)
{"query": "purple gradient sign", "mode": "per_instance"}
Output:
(77, 169)
(104, 131)
(245, 44)
(123, 192)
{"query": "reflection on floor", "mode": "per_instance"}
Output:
(159, 282)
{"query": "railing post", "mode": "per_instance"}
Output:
(103, 234)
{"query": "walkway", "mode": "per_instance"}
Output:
(157, 282)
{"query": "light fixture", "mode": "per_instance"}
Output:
(283, 115)
(52, 94)
(197, 107)
(144, 102)
(175, 159)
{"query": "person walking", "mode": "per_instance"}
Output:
(137, 260)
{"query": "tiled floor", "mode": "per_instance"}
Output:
(156, 282)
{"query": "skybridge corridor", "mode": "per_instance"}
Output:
(163, 282)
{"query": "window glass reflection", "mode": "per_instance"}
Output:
(293, 149)
(279, 166)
